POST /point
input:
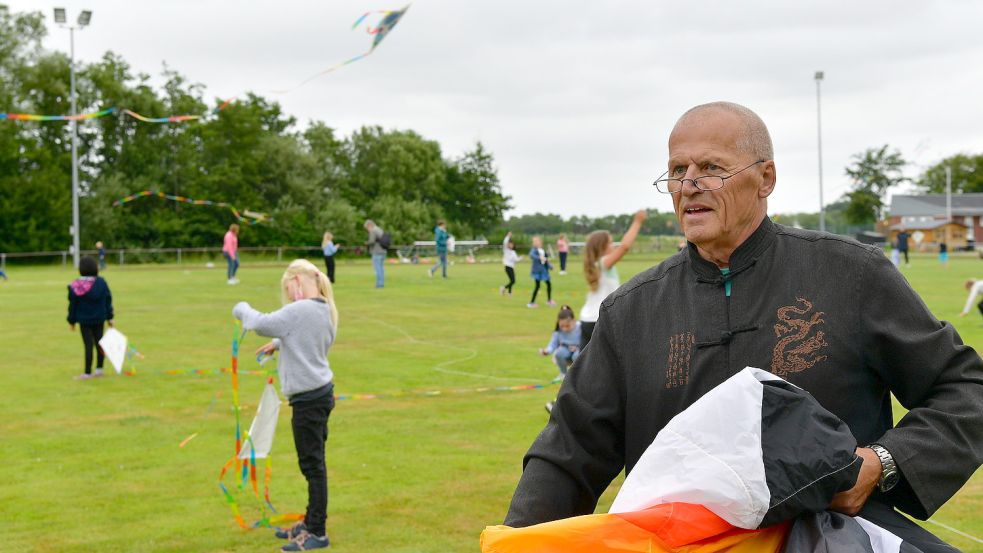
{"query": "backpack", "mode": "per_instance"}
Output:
(385, 240)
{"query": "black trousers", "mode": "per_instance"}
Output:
(510, 272)
(310, 427)
(905, 252)
(329, 265)
(586, 331)
(91, 334)
(549, 291)
(563, 261)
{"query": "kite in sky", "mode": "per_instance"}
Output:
(246, 216)
(381, 31)
(110, 111)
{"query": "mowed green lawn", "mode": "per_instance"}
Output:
(96, 465)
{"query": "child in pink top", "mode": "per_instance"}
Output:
(563, 248)
(230, 250)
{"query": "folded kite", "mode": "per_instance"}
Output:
(750, 466)
(113, 344)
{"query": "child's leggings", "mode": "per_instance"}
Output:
(549, 291)
(510, 272)
(91, 334)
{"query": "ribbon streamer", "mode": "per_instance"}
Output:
(110, 111)
(251, 217)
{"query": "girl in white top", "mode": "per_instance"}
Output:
(509, 259)
(600, 258)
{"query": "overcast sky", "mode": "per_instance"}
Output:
(576, 99)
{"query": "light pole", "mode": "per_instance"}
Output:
(84, 18)
(819, 131)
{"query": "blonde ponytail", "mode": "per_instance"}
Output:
(594, 249)
(303, 267)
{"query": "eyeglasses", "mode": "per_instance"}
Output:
(706, 182)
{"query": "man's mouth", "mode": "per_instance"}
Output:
(697, 209)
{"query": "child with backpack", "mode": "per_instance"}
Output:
(90, 305)
(303, 330)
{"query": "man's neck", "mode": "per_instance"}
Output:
(720, 255)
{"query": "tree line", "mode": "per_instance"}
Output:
(250, 155)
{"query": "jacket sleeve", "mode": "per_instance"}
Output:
(272, 325)
(924, 362)
(581, 450)
(554, 343)
(109, 304)
(72, 307)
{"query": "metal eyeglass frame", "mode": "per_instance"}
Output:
(661, 182)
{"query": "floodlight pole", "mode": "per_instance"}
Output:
(83, 20)
(75, 160)
(819, 131)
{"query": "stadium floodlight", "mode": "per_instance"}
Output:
(60, 15)
(84, 18)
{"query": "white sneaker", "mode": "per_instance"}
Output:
(230, 281)
(83, 376)
(563, 272)
(501, 290)
(235, 280)
(98, 373)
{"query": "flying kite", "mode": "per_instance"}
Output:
(381, 31)
(247, 217)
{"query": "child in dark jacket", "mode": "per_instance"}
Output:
(90, 305)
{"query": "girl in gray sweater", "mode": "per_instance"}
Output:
(303, 330)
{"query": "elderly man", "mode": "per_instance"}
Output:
(824, 312)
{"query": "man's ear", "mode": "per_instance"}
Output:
(769, 177)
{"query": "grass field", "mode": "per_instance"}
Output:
(95, 465)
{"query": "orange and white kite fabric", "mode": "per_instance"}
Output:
(665, 528)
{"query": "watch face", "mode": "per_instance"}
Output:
(890, 480)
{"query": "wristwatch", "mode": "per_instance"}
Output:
(889, 470)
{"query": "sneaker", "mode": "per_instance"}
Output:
(549, 407)
(292, 532)
(531, 305)
(558, 379)
(563, 272)
(83, 376)
(235, 280)
(551, 302)
(307, 541)
(230, 281)
(501, 290)
(98, 373)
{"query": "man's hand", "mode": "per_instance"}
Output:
(851, 501)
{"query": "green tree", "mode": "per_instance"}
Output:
(873, 171)
(967, 174)
(472, 196)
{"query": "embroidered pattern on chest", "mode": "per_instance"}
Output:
(680, 357)
(799, 343)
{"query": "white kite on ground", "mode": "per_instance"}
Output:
(113, 344)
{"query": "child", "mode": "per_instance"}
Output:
(303, 330)
(101, 249)
(600, 257)
(329, 248)
(944, 254)
(563, 248)
(540, 271)
(230, 250)
(90, 305)
(565, 343)
(509, 259)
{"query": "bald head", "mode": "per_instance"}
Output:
(754, 138)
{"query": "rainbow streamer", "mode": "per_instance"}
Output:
(380, 31)
(247, 468)
(109, 111)
(251, 217)
(78, 117)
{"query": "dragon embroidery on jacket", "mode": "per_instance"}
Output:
(796, 350)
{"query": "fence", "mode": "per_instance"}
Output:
(406, 253)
